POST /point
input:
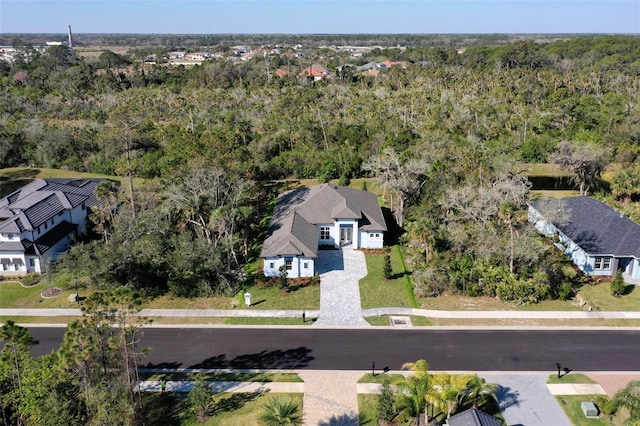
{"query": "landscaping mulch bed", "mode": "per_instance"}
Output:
(50, 293)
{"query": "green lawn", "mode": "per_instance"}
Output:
(13, 295)
(570, 378)
(272, 298)
(376, 292)
(224, 377)
(380, 378)
(230, 409)
(571, 406)
(599, 297)
(368, 409)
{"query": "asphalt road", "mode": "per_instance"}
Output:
(357, 349)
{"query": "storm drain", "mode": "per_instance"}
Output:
(400, 321)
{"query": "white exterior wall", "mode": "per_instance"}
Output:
(11, 268)
(371, 239)
(297, 267)
(334, 233)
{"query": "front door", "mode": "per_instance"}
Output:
(345, 235)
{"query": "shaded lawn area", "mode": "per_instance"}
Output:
(571, 406)
(224, 377)
(230, 409)
(376, 292)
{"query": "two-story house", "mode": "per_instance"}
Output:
(39, 221)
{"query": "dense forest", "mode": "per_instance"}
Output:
(445, 134)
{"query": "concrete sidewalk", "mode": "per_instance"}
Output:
(255, 313)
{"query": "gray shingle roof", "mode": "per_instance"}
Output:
(473, 417)
(37, 202)
(595, 227)
(293, 228)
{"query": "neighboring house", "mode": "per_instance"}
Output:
(38, 222)
(325, 215)
(314, 72)
(473, 417)
(597, 238)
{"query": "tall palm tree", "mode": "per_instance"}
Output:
(412, 391)
(476, 389)
(446, 391)
(279, 411)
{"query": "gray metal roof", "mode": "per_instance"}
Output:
(293, 228)
(473, 417)
(594, 226)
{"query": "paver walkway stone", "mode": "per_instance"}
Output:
(340, 271)
(330, 398)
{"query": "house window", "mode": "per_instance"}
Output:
(288, 263)
(32, 263)
(45, 225)
(305, 265)
(374, 235)
(325, 233)
(602, 263)
(272, 265)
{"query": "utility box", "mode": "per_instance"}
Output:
(589, 409)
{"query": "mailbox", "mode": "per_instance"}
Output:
(247, 299)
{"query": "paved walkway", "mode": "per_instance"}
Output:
(340, 271)
(336, 302)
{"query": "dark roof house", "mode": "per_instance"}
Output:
(598, 238)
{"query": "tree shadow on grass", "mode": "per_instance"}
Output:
(234, 401)
(160, 409)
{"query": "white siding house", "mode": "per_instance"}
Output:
(39, 221)
(321, 217)
(598, 239)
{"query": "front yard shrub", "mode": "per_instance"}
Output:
(617, 285)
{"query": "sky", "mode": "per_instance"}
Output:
(320, 16)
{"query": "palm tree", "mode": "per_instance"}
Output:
(278, 411)
(629, 398)
(412, 392)
(477, 388)
(446, 391)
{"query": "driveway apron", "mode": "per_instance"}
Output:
(340, 271)
(525, 400)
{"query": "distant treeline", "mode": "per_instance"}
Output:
(207, 40)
